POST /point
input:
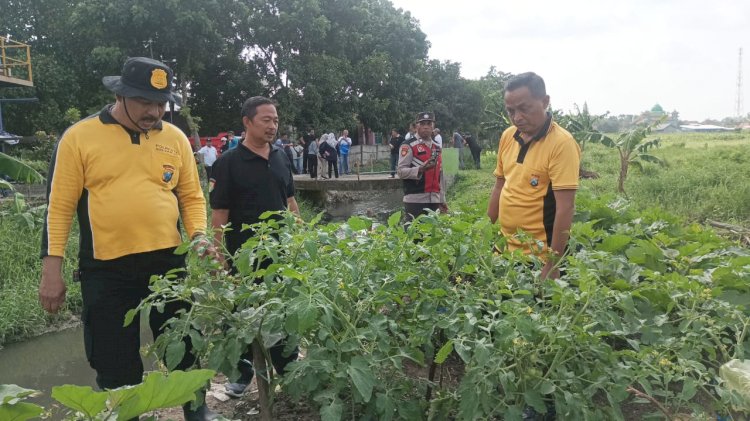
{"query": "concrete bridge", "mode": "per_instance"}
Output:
(352, 182)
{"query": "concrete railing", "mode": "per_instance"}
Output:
(367, 154)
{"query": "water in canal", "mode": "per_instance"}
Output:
(51, 360)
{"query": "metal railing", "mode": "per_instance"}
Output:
(15, 60)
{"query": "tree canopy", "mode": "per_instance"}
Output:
(329, 64)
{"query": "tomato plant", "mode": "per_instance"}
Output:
(644, 304)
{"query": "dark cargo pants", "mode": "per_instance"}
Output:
(111, 288)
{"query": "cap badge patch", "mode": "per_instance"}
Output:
(159, 78)
(166, 176)
(426, 116)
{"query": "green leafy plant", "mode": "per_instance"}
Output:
(24, 216)
(633, 147)
(156, 391)
(642, 306)
(17, 170)
(12, 405)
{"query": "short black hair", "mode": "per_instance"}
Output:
(250, 106)
(531, 80)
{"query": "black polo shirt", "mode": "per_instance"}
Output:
(247, 185)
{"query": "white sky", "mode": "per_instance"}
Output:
(619, 56)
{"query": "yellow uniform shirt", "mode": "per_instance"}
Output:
(129, 189)
(532, 171)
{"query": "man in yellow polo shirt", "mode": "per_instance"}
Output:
(130, 177)
(537, 174)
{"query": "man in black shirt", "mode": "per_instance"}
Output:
(247, 181)
(394, 144)
(309, 138)
(474, 147)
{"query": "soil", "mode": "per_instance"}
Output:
(246, 408)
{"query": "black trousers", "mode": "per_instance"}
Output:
(413, 210)
(111, 288)
(276, 352)
(477, 155)
(312, 165)
(278, 359)
(333, 166)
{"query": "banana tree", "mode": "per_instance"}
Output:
(17, 170)
(581, 125)
(633, 148)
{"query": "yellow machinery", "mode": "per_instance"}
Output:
(15, 64)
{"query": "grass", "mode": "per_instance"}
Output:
(704, 178)
(21, 315)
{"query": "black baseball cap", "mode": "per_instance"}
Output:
(425, 116)
(146, 78)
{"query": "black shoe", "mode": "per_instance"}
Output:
(201, 413)
(235, 390)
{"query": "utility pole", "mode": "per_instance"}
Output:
(738, 109)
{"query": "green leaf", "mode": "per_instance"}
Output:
(688, 389)
(385, 406)
(357, 224)
(332, 412)
(534, 399)
(11, 393)
(129, 316)
(546, 387)
(444, 352)
(174, 353)
(160, 391)
(21, 411)
(293, 274)
(312, 248)
(81, 398)
(394, 219)
(18, 170)
(361, 374)
(614, 243)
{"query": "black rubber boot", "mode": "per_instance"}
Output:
(201, 413)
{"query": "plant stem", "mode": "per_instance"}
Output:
(261, 377)
(661, 407)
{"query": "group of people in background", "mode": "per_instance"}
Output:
(325, 149)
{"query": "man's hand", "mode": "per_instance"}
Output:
(427, 165)
(203, 246)
(443, 208)
(52, 287)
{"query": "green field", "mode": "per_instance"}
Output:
(705, 177)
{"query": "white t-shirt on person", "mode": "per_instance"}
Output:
(209, 155)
